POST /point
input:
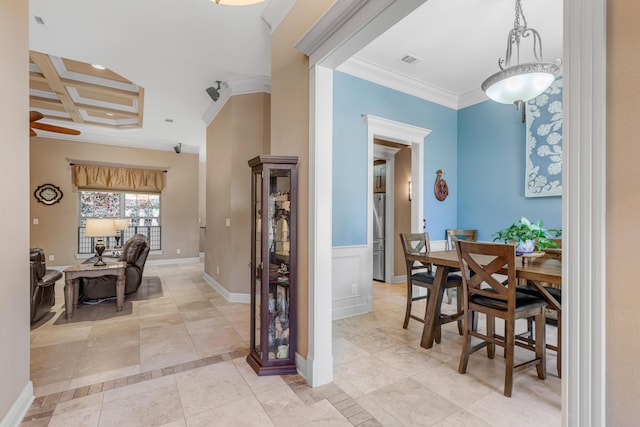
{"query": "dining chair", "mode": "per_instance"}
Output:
(421, 275)
(460, 234)
(484, 266)
(555, 292)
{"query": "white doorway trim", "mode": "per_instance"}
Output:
(401, 133)
(383, 152)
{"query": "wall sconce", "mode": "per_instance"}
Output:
(410, 191)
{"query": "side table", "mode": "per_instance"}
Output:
(74, 273)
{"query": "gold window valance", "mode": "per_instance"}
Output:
(117, 178)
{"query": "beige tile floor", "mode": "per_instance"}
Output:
(175, 356)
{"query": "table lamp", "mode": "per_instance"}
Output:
(100, 228)
(121, 225)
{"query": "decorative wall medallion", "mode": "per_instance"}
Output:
(544, 143)
(440, 188)
(48, 194)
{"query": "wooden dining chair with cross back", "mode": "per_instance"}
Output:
(556, 293)
(483, 266)
(421, 275)
(450, 233)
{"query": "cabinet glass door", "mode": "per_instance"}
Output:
(273, 265)
(257, 268)
(279, 248)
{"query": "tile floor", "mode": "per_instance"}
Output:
(175, 356)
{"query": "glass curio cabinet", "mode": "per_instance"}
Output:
(273, 264)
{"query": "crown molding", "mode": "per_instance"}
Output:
(470, 98)
(374, 73)
(329, 23)
(252, 85)
(275, 12)
(132, 141)
(236, 87)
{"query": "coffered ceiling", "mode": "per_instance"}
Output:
(63, 89)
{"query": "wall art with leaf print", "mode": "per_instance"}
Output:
(544, 143)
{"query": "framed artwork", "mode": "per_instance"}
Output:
(543, 169)
(48, 194)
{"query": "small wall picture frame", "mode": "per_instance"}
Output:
(48, 194)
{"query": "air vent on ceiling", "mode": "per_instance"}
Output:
(409, 59)
(39, 20)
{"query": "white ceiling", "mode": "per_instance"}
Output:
(176, 49)
(459, 42)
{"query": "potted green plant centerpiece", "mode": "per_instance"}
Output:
(527, 235)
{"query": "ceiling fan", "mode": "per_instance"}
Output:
(34, 116)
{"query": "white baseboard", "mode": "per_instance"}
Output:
(229, 296)
(19, 408)
(353, 310)
(301, 366)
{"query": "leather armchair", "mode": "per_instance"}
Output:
(43, 281)
(134, 252)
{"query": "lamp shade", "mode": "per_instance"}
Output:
(100, 227)
(121, 223)
(521, 82)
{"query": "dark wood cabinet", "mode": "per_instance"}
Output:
(273, 264)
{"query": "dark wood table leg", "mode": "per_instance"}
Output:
(434, 302)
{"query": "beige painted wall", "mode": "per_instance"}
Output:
(236, 135)
(14, 252)
(56, 232)
(623, 205)
(290, 129)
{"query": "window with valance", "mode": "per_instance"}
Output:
(117, 178)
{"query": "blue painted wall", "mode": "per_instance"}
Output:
(481, 149)
(354, 98)
(491, 164)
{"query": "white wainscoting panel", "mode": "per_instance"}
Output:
(352, 265)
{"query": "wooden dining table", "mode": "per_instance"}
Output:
(534, 271)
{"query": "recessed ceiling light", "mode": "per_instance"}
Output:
(99, 67)
(39, 20)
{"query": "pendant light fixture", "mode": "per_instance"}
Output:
(520, 82)
(237, 2)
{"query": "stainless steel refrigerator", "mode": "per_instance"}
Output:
(378, 236)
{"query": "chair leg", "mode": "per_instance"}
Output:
(450, 295)
(491, 329)
(407, 314)
(466, 343)
(509, 337)
(559, 345)
(541, 345)
(459, 307)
